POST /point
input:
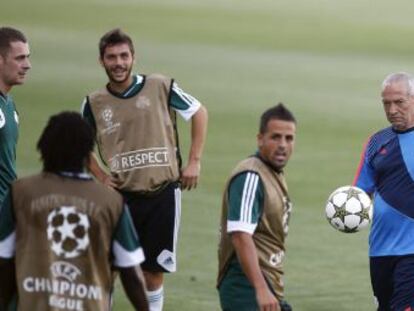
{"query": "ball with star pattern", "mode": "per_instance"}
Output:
(349, 209)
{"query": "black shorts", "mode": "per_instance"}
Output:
(392, 279)
(157, 219)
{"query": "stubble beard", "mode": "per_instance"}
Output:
(116, 81)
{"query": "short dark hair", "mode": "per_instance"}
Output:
(66, 143)
(278, 112)
(113, 37)
(9, 35)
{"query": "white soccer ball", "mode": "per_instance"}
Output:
(349, 209)
(67, 231)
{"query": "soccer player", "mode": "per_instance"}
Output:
(135, 121)
(254, 222)
(14, 65)
(66, 231)
(386, 172)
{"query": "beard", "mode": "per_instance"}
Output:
(112, 77)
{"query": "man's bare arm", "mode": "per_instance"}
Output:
(190, 173)
(247, 255)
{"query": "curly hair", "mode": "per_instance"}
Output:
(66, 143)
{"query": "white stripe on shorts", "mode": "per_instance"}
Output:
(177, 194)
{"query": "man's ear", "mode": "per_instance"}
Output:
(259, 138)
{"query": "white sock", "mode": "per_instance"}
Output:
(156, 299)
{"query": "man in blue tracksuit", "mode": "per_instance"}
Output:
(386, 172)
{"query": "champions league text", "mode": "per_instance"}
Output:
(64, 294)
(62, 290)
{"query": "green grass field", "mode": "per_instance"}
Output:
(324, 59)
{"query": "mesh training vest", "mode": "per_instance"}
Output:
(62, 225)
(136, 136)
(271, 231)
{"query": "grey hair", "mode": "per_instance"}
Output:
(400, 77)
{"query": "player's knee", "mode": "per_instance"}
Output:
(153, 280)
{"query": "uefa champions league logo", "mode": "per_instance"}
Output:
(67, 231)
(107, 115)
